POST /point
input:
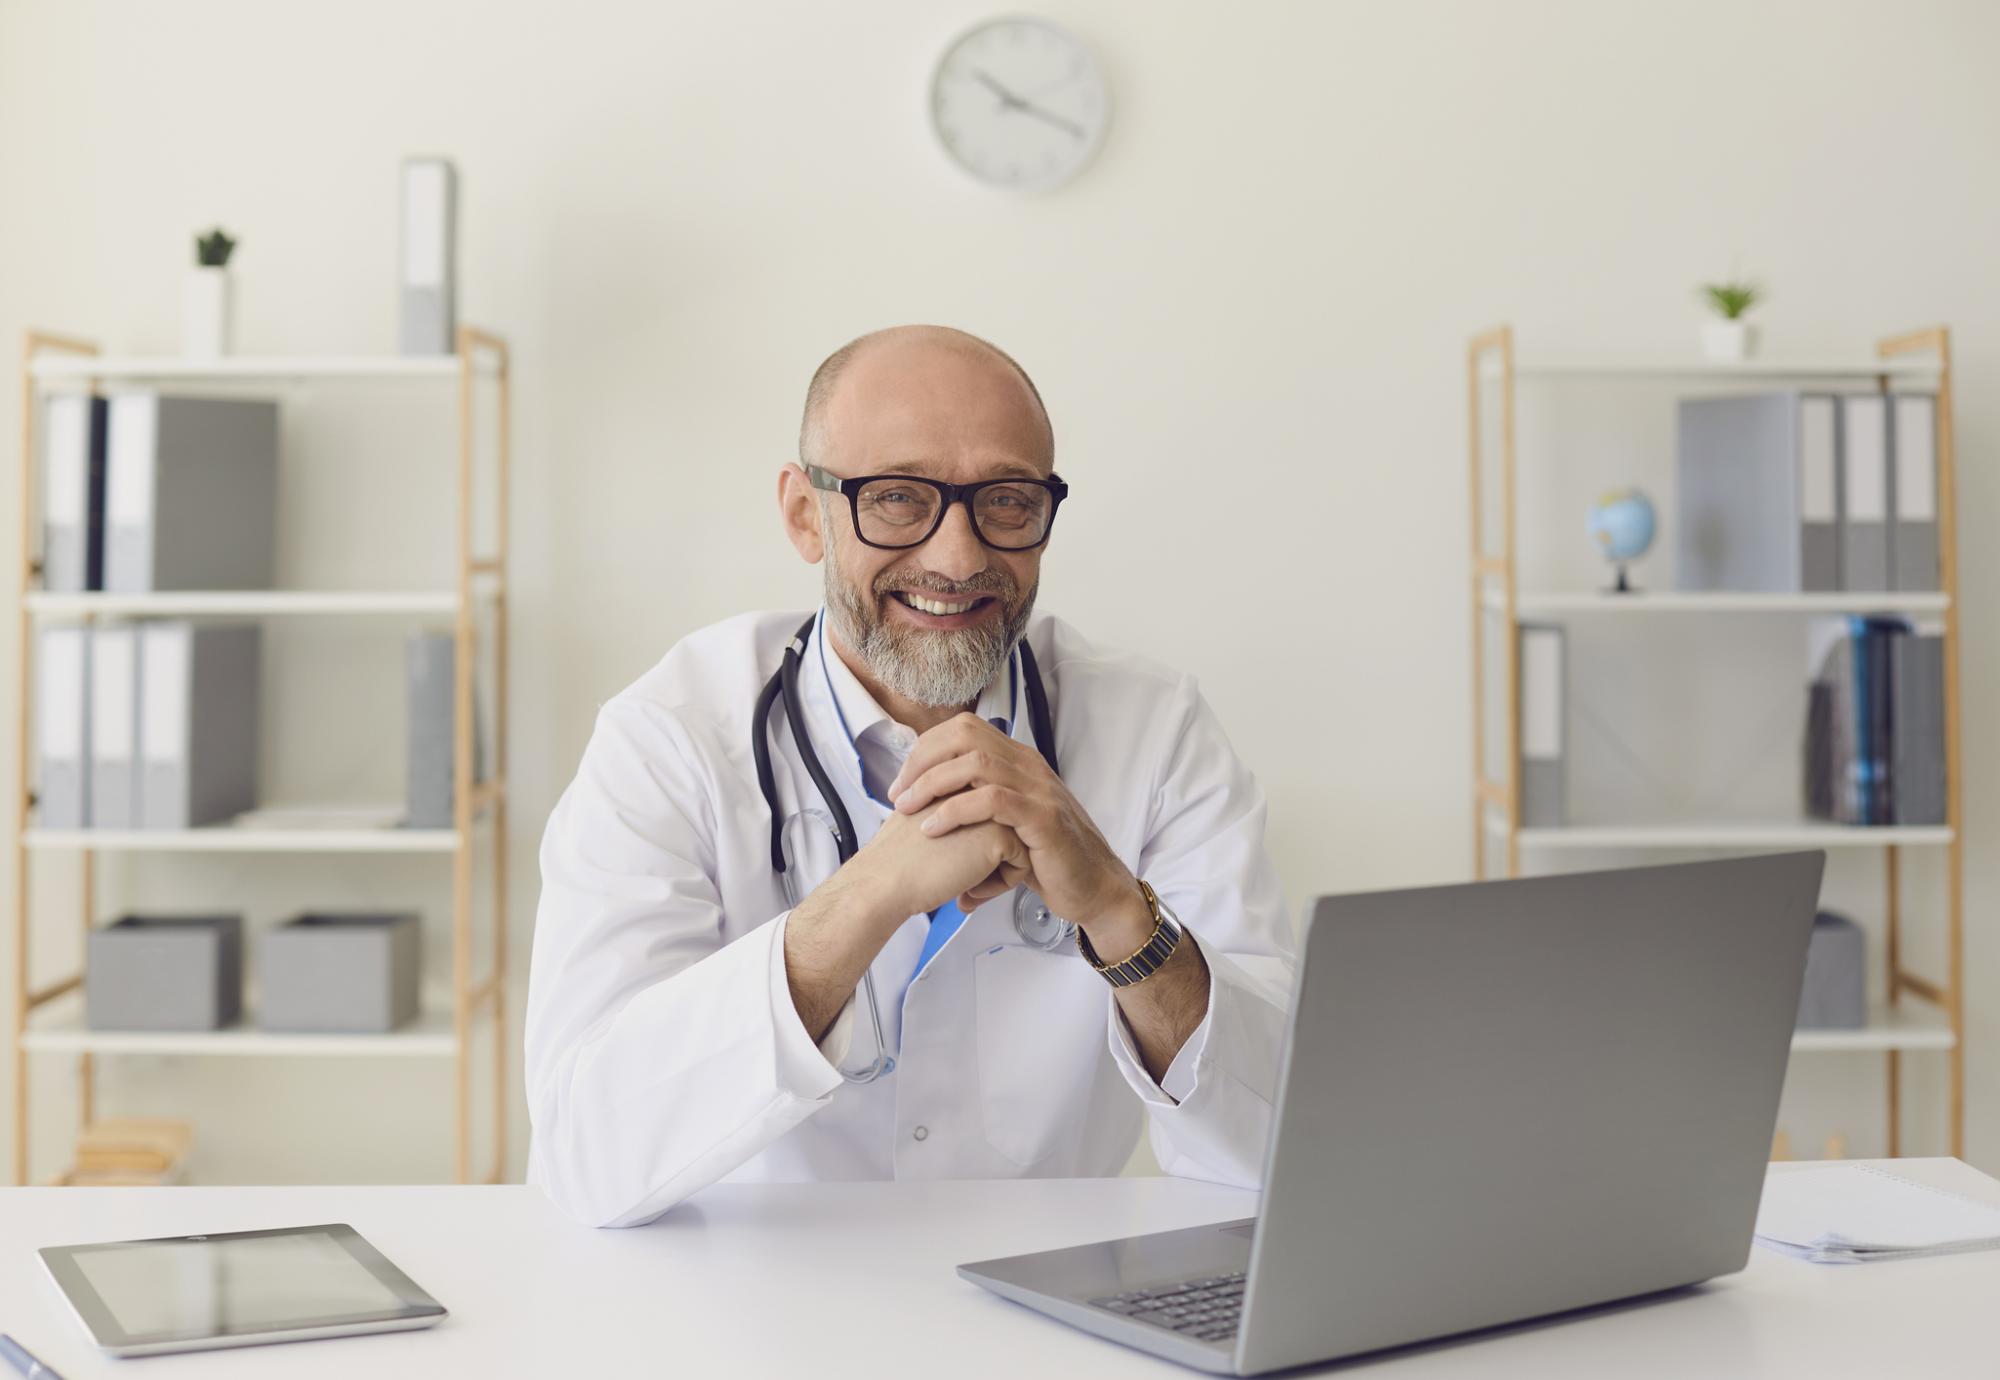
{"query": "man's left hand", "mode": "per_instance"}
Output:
(982, 774)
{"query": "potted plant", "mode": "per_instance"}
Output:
(1732, 337)
(205, 298)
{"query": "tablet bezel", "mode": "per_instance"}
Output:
(417, 1308)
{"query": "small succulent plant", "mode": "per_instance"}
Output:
(1731, 300)
(213, 249)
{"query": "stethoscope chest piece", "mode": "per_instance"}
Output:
(1039, 926)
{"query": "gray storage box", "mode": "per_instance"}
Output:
(1835, 993)
(339, 972)
(164, 972)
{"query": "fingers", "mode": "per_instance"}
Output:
(1000, 804)
(974, 767)
(953, 738)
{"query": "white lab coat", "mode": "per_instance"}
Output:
(663, 1052)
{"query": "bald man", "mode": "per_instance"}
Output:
(1026, 907)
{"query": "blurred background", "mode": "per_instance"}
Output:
(1249, 315)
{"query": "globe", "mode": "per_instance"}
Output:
(1622, 524)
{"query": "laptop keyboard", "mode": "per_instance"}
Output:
(1207, 1308)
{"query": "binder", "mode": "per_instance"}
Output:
(429, 257)
(1544, 739)
(198, 713)
(62, 712)
(191, 491)
(1913, 543)
(1759, 491)
(430, 660)
(73, 431)
(1864, 527)
(1916, 754)
(114, 722)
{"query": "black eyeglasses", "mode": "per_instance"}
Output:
(893, 511)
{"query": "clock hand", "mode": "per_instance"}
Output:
(1075, 130)
(1008, 99)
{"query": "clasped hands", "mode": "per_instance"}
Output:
(964, 776)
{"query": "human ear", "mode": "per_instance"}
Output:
(798, 506)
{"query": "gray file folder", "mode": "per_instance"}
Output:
(1916, 739)
(73, 494)
(1864, 488)
(430, 257)
(1544, 725)
(62, 727)
(1759, 493)
(432, 735)
(191, 491)
(114, 727)
(1913, 544)
(197, 722)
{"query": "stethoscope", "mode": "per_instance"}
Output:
(1033, 921)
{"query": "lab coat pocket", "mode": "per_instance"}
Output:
(1040, 1032)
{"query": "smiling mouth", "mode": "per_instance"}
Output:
(936, 607)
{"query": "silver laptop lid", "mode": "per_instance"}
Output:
(1510, 1098)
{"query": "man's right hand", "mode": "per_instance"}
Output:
(835, 933)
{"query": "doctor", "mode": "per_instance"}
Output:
(913, 1012)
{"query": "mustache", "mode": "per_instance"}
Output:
(987, 582)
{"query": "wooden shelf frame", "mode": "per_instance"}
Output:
(1922, 355)
(482, 359)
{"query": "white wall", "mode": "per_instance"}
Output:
(674, 211)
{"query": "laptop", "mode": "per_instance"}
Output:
(1497, 1101)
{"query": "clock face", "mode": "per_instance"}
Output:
(1019, 103)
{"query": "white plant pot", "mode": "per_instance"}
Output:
(205, 313)
(1728, 340)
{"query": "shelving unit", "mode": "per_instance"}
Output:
(49, 1019)
(1936, 1020)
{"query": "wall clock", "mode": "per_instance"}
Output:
(1019, 103)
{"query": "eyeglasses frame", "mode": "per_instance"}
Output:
(827, 481)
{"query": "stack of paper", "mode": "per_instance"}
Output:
(1850, 1213)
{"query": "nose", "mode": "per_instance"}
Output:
(954, 550)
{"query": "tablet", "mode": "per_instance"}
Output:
(236, 1288)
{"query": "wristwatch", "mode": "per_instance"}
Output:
(1152, 955)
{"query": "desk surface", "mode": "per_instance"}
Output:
(857, 1279)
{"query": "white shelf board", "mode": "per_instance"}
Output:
(1682, 367)
(52, 366)
(1899, 1027)
(1551, 603)
(248, 603)
(1727, 834)
(59, 1028)
(225, 838)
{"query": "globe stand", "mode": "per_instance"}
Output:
(1624, 585)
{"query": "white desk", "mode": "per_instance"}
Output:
(829, 1280)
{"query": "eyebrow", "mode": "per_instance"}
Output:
(1012, 469)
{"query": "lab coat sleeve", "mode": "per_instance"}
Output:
(1210, 1115)
(658, 1057)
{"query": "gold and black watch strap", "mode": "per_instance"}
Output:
(1152, 955)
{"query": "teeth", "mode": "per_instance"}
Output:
(917, 601)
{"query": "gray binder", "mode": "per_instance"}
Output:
(1544, 725)
(62, 728)
(73, 493)
(1759, 493)
(191, 490)
(114, 727)
(197, 722)
(1913, 543)
(1864, 488)
(430, 257)
(432, 736)
(1916, 738)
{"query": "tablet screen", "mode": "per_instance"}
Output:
(229, 1284)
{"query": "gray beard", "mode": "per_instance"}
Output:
(946, 668)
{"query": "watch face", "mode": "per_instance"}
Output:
(1019, 103)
